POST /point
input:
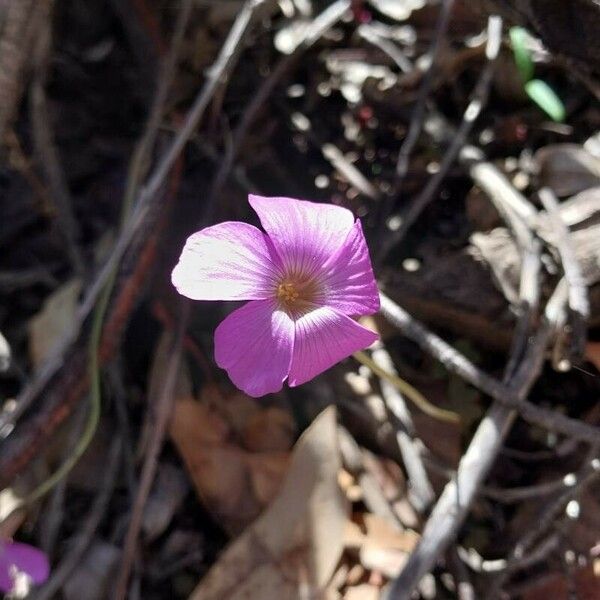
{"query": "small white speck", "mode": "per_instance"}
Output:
(394, 223)
(295, 91)
(321, 181)
(411, 264)
(573, 509)
(300, 121)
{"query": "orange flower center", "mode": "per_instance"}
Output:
(287, 293)
(298, 295)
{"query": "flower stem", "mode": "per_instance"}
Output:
(408, 390)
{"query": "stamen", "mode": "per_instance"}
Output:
(287, 293)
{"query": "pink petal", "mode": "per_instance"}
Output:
(228, 261)
(304, 233)
(323, 338)
(25, 558)
(352, 289)
(254, 345)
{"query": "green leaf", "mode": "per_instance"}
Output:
(545, 97)
(518, 39)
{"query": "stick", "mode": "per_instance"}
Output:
(84, 537)
(472, 112)
(578, 296)
(162, 408)
(457, 363)
(220, 69)
(421, 490)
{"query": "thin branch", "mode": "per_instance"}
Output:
(85, 535)
(311, 34)
(161, 414)
(48, 156)
(221, 69)
(421, 490)
(472, 112)
(521, 553)
(416, 120)
(457, 363)
(579, 304)
(455, 501)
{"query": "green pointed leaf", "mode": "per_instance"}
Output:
(518, 39)
(545, 97)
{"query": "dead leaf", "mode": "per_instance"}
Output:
(364, 591)
(233, 483)
(53, 322)
(269, 430)
(592, 353)
(267, 472)
(382, 545)
(567, 168)
(386, 561)
(298, 541)
(381, 533)
(235, 409)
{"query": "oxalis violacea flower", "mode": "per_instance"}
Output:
(306, 277)
(20, 566)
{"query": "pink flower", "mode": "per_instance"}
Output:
(305, 278)
(17, 560)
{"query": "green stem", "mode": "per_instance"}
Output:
(408, 390)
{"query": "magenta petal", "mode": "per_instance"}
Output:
(323, 338)
(351, 285)
(25, 558)
(254, 345)
(304, 233)
(228, 261)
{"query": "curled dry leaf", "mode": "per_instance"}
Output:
(269, 430)
(382, 546)
(298, 541)
(53, 322)
(592, 353)
(234, 483)
(364, 591)
(567, 168)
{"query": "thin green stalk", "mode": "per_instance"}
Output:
(408, 390)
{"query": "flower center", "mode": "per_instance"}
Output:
(287, 293)
(298, 295)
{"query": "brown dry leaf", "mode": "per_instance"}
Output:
(217, 468)
(381, 533)
(382, 546)
(236, 409)
(386, 561)
(53, 322)
(267, 472)
(364, 591)
(298, 541)
(233, 483)
(269, 430)
(592, 353)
